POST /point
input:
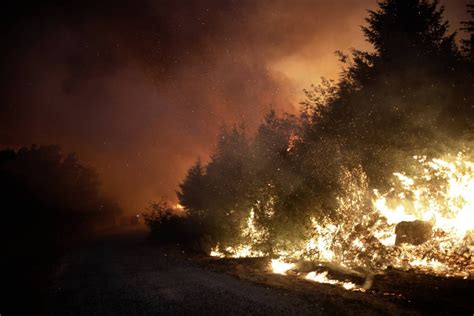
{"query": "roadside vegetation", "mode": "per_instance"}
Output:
(50, 202)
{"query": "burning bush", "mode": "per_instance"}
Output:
(433, 224)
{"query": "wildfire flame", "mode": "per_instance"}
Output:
(281, 267)
(443, 195)
(438, 193)
(323, 278)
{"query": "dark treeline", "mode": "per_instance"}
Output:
(413, 94)
(50, 202)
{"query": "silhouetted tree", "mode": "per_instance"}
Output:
(226, 184)
(394, 102)
(191, 192)
(468, 27)
(49, 202)
(403, 31)
(275, 181)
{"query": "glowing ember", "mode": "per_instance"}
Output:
(178, 207)
(323, 278)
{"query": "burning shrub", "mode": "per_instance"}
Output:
(427, 226)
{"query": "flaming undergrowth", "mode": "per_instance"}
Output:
(362, 234)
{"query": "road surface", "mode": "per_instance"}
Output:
(122, 274)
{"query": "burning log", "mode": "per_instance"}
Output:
(415, 233)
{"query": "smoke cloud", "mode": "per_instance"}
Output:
(139, 90)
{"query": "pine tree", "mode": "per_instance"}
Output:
(191, 190)
(468, 26)
(407, 28)
(390, 100)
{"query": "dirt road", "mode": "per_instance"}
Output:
(123, 275)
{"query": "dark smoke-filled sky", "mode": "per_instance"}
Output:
(139, 89)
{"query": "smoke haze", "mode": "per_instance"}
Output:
(139, 90)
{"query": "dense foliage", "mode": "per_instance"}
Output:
(49, 202)
(413, 94)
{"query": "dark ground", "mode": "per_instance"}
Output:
(124, 274)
